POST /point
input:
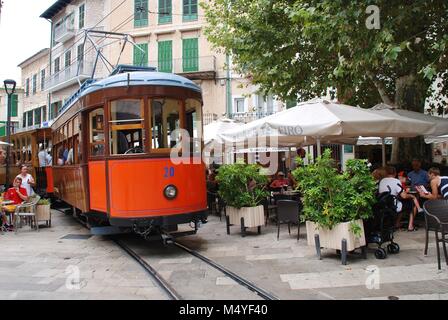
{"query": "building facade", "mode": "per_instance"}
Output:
(72, 58)
(35, 71)
(168, 35)
(16, 109)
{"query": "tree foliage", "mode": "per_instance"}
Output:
(329, 197)
(300, 48)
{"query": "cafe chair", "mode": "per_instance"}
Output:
(436, 219)
(26, 210)
(288, 212)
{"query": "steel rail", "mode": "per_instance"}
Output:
(171, 293)
(241, 281)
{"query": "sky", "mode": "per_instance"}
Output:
(22, 34)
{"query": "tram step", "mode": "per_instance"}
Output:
(107, 230)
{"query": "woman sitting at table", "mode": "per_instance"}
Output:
(280, 181)
(17, 194)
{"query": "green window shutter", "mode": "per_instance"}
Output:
(141, 58)
(37, 116)
(14, 104)
(140, 13)
(166, 56)
(2, 128)
(165, 11)
(30, 118)
(24, 120)
(190, 55)
(190, 10)
(82, 10)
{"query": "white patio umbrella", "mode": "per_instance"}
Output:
(440, 126)
(319, 120)
(212, 129)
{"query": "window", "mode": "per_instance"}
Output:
(165, 118)
(54, 109)
(165, 13)
(24, 120)
(141, 54)
(68, 58)
(37, 116)
(81, 11)
(140, 13)
(42, 80)
(239, 105)
(80, 57)
(193, 111)
(190, 55)
(44, 113)
(14, 105)
(34, 84)
(126, 127)
(27, 87)
(190, 12)
(30, 118)
(96, 123)
(166, 56)
(57, 65)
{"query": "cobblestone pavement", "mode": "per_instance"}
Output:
(44, 265)
(40, 265)
(290, 269)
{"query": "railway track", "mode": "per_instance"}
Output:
(171, 292)
(165, 287)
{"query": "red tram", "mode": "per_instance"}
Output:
(112, 147)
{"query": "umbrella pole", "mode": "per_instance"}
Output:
(383, 151)
(319, 153)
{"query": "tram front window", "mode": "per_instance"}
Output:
(165, 119)
(126, 127)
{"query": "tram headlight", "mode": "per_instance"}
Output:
(170, 192)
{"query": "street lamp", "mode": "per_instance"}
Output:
(10, 88)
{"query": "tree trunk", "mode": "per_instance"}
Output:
(409, 95)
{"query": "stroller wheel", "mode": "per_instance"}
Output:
(380, 253)
(393, 248)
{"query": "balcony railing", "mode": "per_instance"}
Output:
(209, 118)
(65, 29)
(201, 68)
(249, 116)
(70, 75)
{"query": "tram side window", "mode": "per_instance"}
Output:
(96, 122)
(165, 119)
(193, 112)
(126, 127)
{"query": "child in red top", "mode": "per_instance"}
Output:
(17, 195)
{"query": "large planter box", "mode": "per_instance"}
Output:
(43, 212)
(332, 239)
(253, 216)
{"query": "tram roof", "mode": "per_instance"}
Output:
(142, 78)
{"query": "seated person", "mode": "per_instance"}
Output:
(439, 186)
(391, 184)
(418, 176)
(17, 194)
(280, 181)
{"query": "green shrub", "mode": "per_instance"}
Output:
(329, 197)
(242, 185)
(44, 202)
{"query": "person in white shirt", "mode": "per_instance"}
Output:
(391, 184)
(42, 155)
(27, 180)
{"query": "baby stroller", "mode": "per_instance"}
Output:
(380, 229)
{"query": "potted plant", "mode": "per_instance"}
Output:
(43, 212)
(243, 188)
(335, 204)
